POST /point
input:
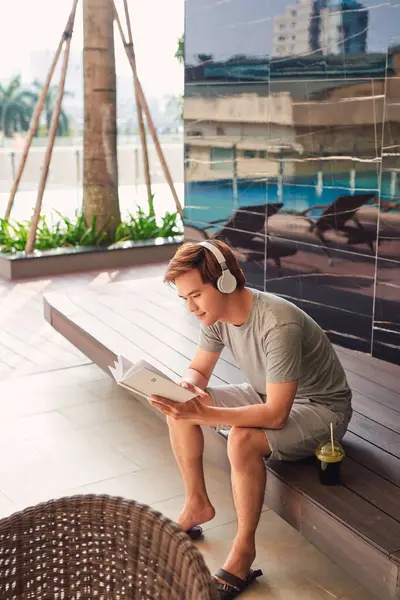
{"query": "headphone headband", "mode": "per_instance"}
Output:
(226, 282)
(217, 253)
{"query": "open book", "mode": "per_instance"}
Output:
(145, 379)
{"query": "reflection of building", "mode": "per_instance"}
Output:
(328, 26)
(342, 26)
(291, 30)
(355, 26)
(257, 129)
(267, 132)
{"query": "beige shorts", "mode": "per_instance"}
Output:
(308, 423)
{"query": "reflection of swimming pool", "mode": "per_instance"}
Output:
(211, 200)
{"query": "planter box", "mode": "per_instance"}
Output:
(74, 260)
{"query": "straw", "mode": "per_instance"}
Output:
(333, 445)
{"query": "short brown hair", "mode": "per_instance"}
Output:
(194, 256)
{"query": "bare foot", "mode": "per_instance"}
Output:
(195, 513)
(239, 561)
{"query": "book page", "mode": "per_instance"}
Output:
(116, 371)
(125, 365)
(143, 364)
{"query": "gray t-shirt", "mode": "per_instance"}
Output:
(279, 343)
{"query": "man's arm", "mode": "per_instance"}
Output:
(272, 415)
(283, 359)
(201, 368)
(283, 353)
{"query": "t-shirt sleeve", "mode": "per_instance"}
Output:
(284, 353)
(210, 340)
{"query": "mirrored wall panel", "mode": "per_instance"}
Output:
(292, 154)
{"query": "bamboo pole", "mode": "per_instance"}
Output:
(160, 153)
(38, 110)
(50, 144)
(145, 107)
(142, 130)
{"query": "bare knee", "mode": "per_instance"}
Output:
(245, 443)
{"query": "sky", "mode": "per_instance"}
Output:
(227, 27)
(156, 25)
(218, 27)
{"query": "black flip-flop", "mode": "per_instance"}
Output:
(195, 532)
(233, 585)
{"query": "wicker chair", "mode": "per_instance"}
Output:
(99, 547)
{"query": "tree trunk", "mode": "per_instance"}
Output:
(100, 176)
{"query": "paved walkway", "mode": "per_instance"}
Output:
(73, 431)
(28, 344)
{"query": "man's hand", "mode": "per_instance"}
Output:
(194, 410)
(188, 385)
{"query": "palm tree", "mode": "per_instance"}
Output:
(180, 56)
(180, 50)
(100, 170)
(16, 107)
(63, 123)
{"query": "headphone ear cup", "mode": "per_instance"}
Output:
(227, 283)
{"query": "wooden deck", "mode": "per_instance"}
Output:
(358, 523)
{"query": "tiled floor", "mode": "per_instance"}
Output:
(27, 343)
(73, 431)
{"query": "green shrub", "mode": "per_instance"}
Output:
(68, 232)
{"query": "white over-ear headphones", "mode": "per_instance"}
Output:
(226, 283)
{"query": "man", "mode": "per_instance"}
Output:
(296, 388)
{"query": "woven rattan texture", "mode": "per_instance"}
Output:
(101, 547)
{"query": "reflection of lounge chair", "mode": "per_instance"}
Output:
(245, 223)
(336, 216)
(241, 230)
(389, 205)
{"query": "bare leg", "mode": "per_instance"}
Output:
(187, 443)
(246, 449)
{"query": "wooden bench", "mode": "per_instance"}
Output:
(358, 523)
